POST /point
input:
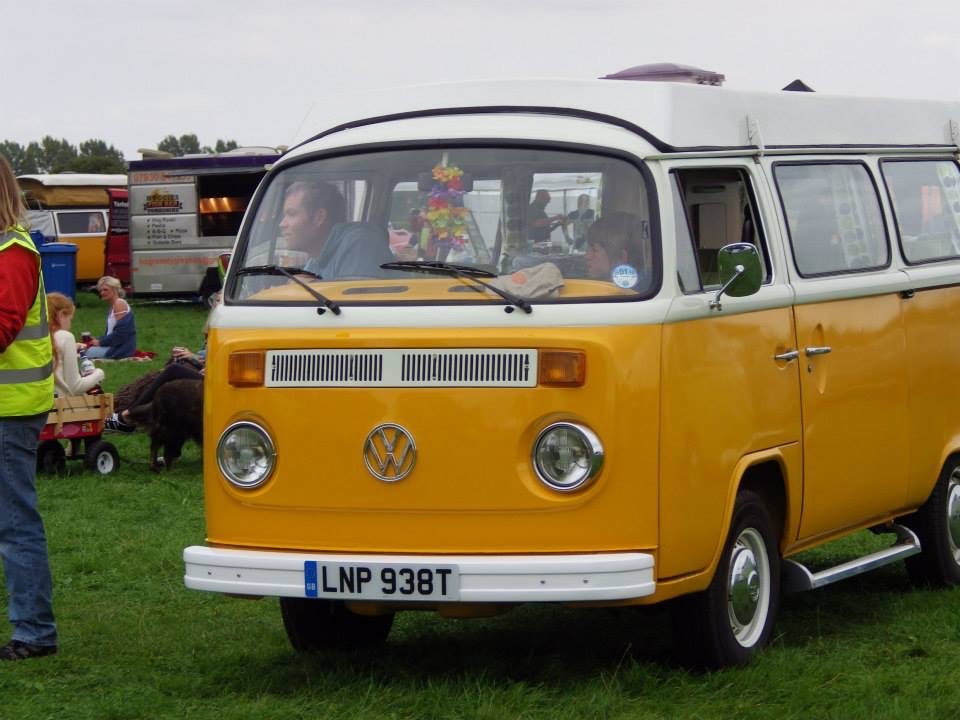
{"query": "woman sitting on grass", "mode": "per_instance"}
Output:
(66, 370)
(120, 340)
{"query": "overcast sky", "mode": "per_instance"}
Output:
(134, 71)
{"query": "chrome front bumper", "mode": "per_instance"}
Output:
(482, 578)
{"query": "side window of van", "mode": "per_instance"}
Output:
(82, 222)
(718, 208)
(687, 272)
(833, 217)
(925, 195)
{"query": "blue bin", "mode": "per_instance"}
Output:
(59, 262)
(38, 238)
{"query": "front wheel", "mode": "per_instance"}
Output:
(937, 524)
(732, 620)
(102, 457)
(328, 624)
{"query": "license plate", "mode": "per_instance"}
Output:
(380, 581)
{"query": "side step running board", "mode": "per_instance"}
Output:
(796, 578)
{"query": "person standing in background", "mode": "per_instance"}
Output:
(581, 218)
(26, 396)
(539, 224)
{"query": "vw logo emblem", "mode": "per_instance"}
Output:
(389, 452)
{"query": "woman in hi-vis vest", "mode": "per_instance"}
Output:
(26, 396)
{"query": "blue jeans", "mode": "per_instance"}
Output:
(23, 543)
(96, 352)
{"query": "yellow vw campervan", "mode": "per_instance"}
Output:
(643, 341)
(73, 207)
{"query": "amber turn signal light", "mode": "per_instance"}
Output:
(245, 369)
(563, 368)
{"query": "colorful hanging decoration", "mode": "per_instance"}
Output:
(446, 226)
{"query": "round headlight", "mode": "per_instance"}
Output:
(567, 456)
(246, 455)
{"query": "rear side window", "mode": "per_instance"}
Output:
(925, 196)
(833, 217)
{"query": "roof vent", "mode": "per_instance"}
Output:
(798, 86)
(668, 72)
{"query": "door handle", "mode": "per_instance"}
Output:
(811, 351)
(787, 356)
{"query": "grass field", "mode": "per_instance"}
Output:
(136, 644)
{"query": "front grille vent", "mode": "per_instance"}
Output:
(402, 368)
(325, 368)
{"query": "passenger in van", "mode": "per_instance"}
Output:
(616, 251)
(314, 222)
(95, 223)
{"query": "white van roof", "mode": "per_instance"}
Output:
(77, 179)
(672, 116)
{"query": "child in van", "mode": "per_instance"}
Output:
(618, 250)
(68, 378)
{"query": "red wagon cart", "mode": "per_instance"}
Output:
(78, 419)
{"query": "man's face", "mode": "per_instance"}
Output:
(300, 228)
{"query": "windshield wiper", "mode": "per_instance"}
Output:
(465, 272)
(291, 273)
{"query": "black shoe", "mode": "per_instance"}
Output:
(16, 650)
(117, 425)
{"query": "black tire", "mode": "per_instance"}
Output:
(937, 524)
(51, 458)
(328, 624)
(732, 620)
(102, 457)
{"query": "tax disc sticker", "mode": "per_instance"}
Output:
(625, 276)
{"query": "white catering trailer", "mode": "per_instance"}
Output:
(185, 212)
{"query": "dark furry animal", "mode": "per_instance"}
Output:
(174, 416)
(124, 397)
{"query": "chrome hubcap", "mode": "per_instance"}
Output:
(748, 587)
(105, 463)
(953, 513)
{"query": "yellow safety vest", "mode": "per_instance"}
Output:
(26, 366)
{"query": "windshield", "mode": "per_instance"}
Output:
(542, 225)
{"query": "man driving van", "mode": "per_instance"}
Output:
(313, 222)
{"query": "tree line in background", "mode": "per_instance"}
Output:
(51, 155)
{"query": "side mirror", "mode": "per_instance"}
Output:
(741, 272)
(223, 263)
